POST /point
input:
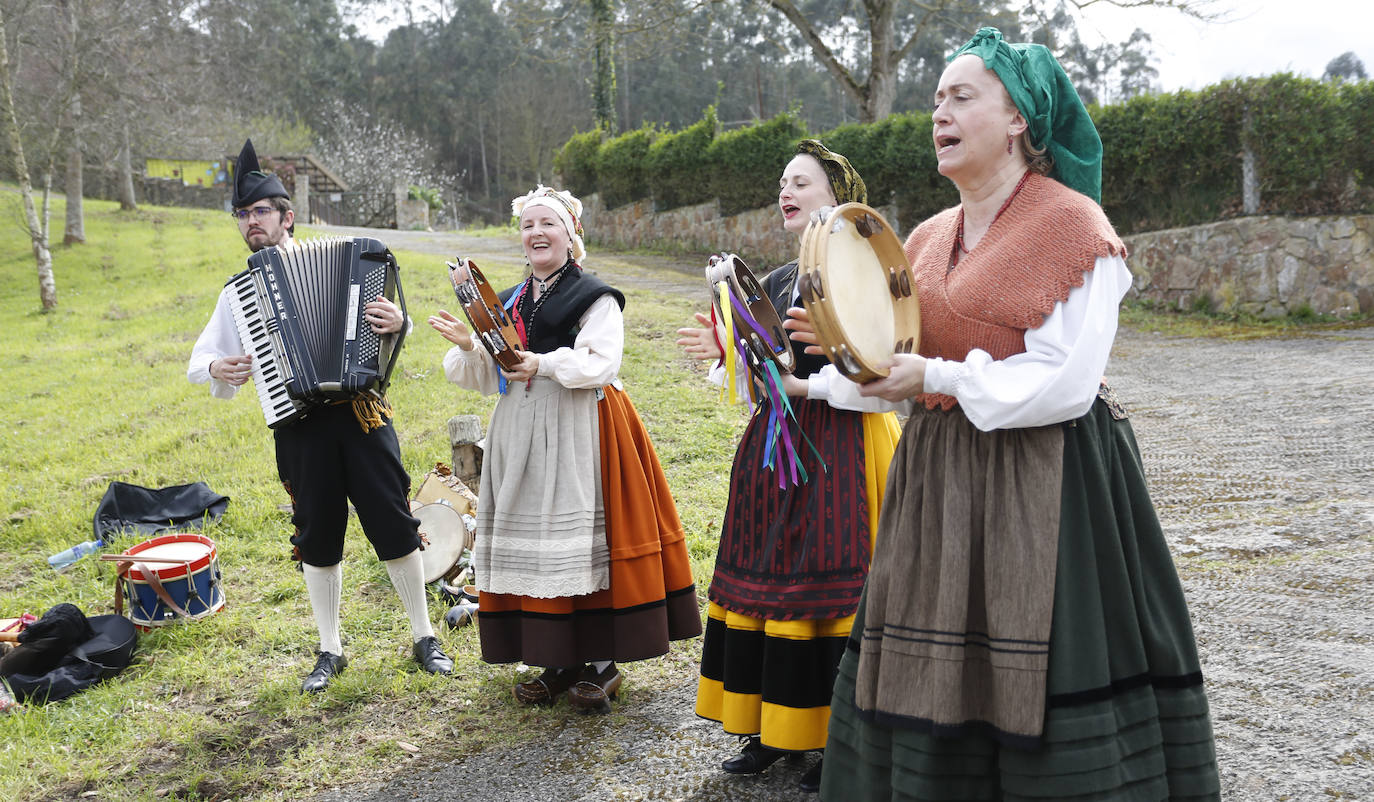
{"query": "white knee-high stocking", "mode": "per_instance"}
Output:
(408, 577)
(325, 587)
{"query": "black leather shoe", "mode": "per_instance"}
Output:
(754, 758)
(430, 657)
(328, 665)
(811, 780)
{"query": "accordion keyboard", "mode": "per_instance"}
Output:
(269, 372)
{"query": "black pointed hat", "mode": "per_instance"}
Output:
(250, 182)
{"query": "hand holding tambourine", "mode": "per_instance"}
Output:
(855, 285)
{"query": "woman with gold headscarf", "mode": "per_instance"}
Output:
(792, 560)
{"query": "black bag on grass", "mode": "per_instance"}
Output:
(127, 508)
(65, 652)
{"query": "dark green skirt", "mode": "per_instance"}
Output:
(1125, 718)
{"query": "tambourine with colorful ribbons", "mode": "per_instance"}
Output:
(491, 323)
(755, 322)
(751, 331)
(856, 285)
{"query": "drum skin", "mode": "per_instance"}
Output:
(856, 285)
(444, 536)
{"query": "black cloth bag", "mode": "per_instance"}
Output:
(65, 652)
(127, 508)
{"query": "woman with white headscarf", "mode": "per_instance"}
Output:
(580, 558)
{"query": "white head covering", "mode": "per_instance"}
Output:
(567, 207)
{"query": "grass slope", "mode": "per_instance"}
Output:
(211, 710)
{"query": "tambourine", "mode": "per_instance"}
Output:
(444, 535)
(855, 283)
(491, 324)
(755, 320)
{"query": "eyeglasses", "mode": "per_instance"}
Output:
(258, 213)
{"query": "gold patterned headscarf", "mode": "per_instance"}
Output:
(845, 181)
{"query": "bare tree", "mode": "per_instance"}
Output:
(895, 27)
(876, 92)
(47, 287)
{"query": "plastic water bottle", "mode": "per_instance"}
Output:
(62, 559)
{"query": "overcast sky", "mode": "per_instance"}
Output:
(1262, 38)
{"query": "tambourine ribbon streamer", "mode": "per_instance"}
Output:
(780, 445)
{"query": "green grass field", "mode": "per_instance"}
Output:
(211, 709)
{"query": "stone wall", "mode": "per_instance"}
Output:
(756, 236)
(103, 185)
(171, 192)
(1266, 266)
(412, 214)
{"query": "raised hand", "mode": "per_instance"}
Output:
(699, 343)
(452, 329)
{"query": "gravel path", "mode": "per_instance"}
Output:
(1260, 456)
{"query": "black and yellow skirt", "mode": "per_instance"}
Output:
(1124, 712)
(769, 673)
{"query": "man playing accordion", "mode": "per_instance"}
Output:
(337, 453)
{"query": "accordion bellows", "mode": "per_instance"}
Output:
(299, 313)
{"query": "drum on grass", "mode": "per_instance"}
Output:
(855, 283)
(491, 324)
(444, 536)
(752, 314)
(168, 577)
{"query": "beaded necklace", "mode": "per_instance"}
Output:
(529, 308)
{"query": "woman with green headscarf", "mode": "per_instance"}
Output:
(793, 558)
(1023, 632)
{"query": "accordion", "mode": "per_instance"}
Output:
(299, 313)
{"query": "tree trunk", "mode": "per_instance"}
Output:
(75, 232)
(603, 82)
(47, 287)
(127, 203)
(482, 146)
(881, 87)
(75, 229)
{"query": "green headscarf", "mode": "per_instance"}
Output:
(1045, 97)
(845, 181)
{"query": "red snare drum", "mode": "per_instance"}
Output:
(168, 577)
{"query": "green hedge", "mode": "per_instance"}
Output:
(745, 163)
(1357, 102)
(620, 167)
(576, 162)
(1169, 160)
(674, 161)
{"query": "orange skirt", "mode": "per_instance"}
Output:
(651, 599)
